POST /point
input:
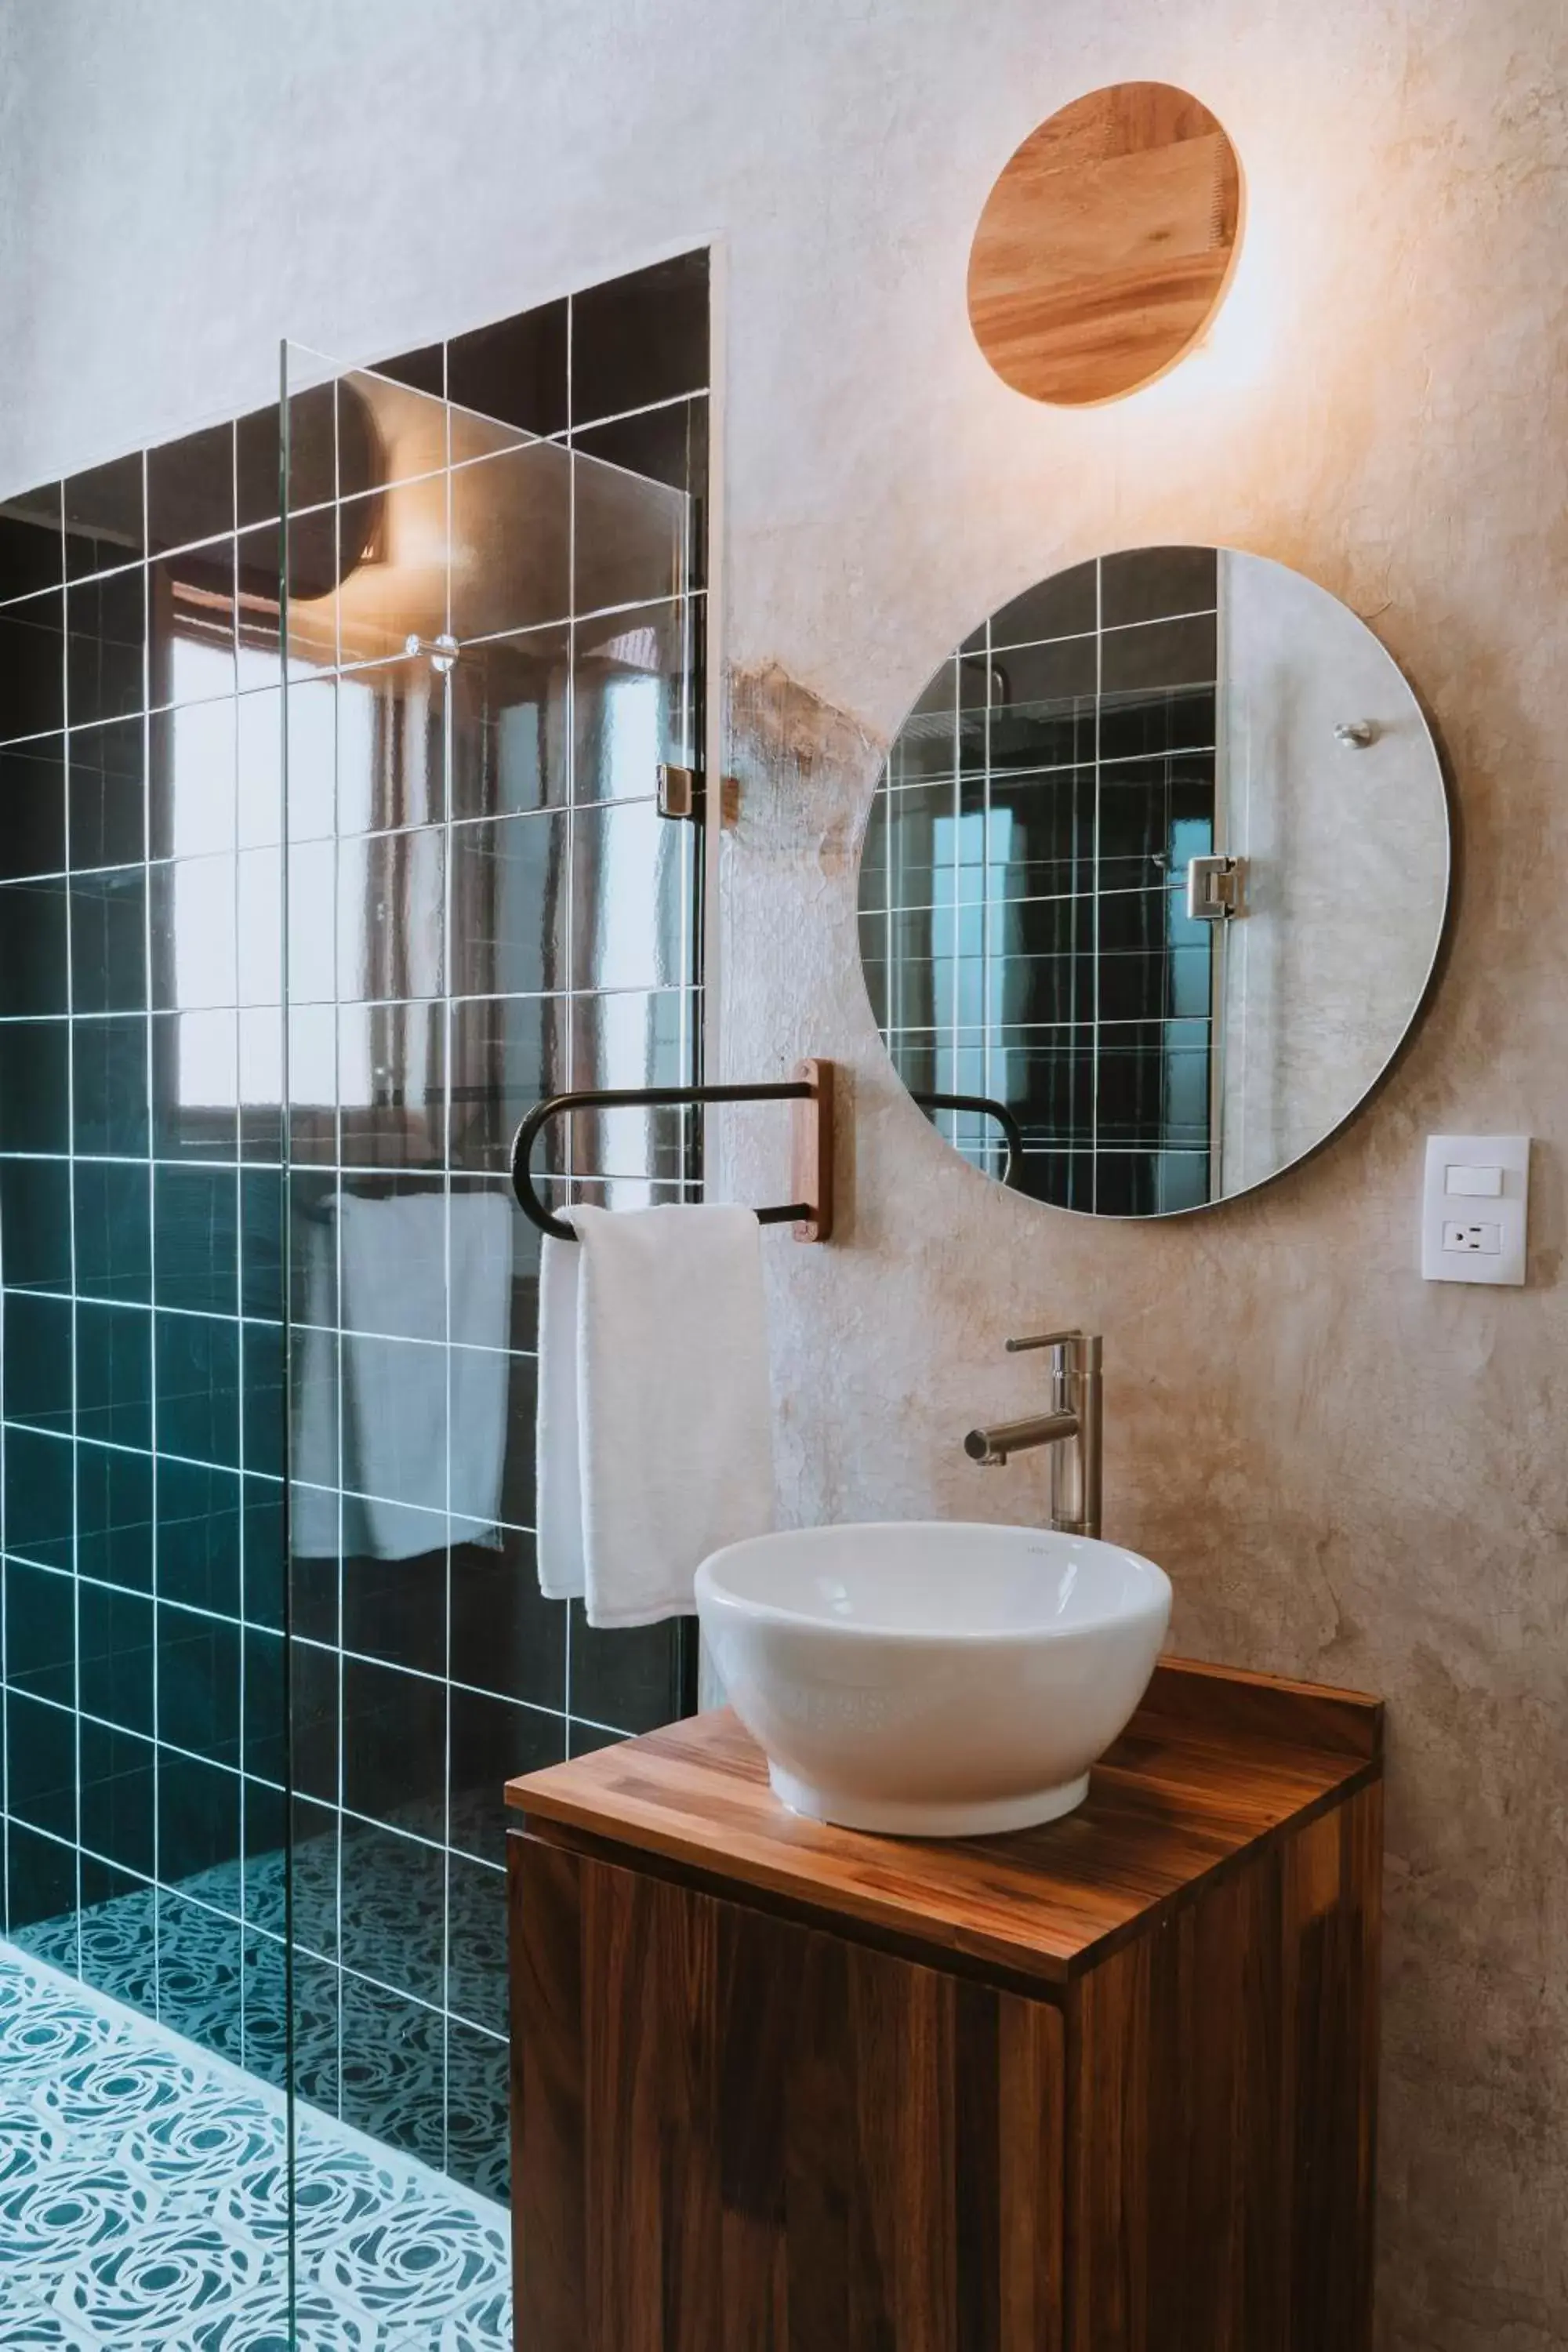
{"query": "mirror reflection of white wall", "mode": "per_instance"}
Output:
(1346, 850)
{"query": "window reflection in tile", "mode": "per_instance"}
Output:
(192, 779)
(259, 751)
(390, 914)
(310, 974)
(191, 626)
(1041, 833)
(630, 896)
(312, 1034)
(261, 1084)
(188, 665)
(257, 587)
(507, 1052)
(391, 754)
(193, 933)
(509, 905)
(509, 703)
(195, 1085)
(633, 1039)
(389, 1079)
(310, 757)
(259, 926)
(633, 701)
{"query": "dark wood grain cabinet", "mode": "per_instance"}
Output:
(1106, 2085)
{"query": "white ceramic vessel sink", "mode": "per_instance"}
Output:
(927, 1680)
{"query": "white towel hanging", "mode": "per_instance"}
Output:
(654, 1416)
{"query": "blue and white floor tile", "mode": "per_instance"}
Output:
(145, 2203)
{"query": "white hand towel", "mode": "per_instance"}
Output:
(654, 1417)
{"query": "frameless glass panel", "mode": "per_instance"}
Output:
(483, 906)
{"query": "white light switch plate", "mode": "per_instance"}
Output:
(1475, 1208)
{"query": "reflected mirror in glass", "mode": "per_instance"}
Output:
(1155, 880)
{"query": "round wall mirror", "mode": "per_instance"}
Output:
(1155, 880)
(1107, 244)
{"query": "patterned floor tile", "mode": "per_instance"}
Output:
(144, 2199)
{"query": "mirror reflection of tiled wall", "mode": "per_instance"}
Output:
(142, 1136)
(1022, 919)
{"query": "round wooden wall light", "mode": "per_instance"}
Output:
(1107, 244)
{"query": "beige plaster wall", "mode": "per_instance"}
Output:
(1347, 1474)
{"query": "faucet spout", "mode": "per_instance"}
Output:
(995, 1445)
(1071, 1428)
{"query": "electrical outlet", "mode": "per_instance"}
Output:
(1467, 1173)
(1482, 1240)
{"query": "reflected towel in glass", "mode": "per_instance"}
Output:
(424, 1418)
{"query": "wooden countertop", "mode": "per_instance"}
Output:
(1214, 1764)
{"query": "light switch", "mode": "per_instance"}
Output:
(1490, 1168)
(1481, 1183)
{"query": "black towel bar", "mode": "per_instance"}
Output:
(810, 1088)
(1013, 1133)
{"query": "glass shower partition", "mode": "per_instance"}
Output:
(489, 642)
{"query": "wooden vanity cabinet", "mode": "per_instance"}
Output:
(1109, 2084)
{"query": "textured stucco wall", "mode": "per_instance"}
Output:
(1346, 1474)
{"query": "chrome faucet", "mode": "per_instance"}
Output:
(1071, 1428)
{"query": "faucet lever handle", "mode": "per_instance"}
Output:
(1044, 1339)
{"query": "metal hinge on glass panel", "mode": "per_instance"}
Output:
(442, 650)
(1215, 888)
(680, 793)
